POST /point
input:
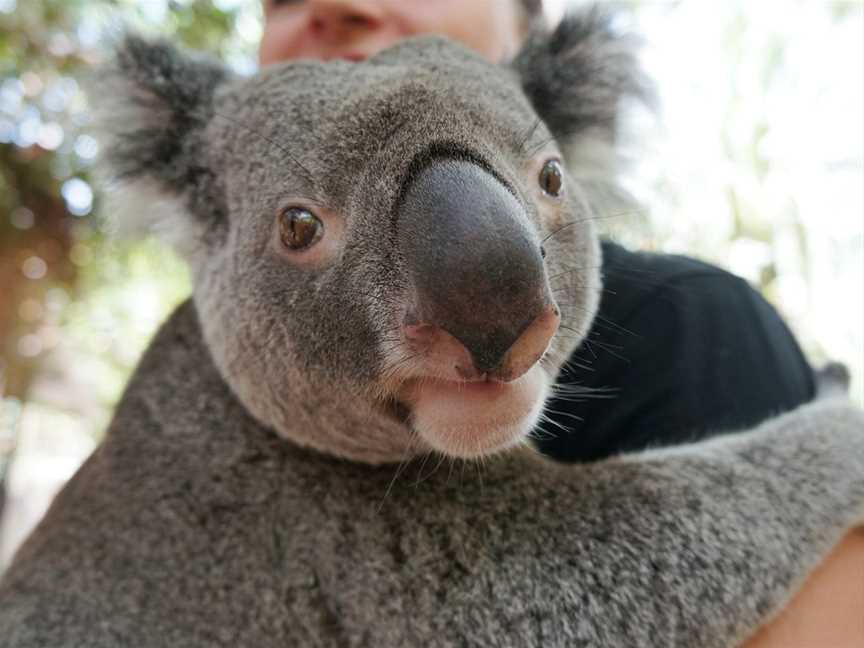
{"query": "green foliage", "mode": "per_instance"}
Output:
(78, 306)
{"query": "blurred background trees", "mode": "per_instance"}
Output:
(756, 165)
(77, 303)
(49, 234)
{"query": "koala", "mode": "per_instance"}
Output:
(326, 445)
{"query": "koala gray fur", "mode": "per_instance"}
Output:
(259, 486)
(193, 525)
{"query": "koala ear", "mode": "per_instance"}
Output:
(576, 76)
(158, 101)
(152, 104)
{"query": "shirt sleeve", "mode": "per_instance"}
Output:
(697, 354)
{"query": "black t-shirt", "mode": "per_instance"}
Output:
(681, 350)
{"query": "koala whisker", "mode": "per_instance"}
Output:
(580, 221)
(561, 229)
(393, 333)
(584, 391)
(538, 434)
(573, 330)
(575, 388)
(561, 336)
(580, 365)
(398, 364)
(582, 398)
(441, 459)
(570, 271)
(611, 349)
(306, 172)
(523, 141)
(602, 322)
(409, 454)
(589, 347)
(646, 278)
(478, 464)
(388, 136)
(571, 268)
(392, 376)
(563, 359)
(539, 146)
(392, 329)
(563, 136)
(570, 337)
(547, 419)
(569, 415)
(587, 363)
(426, 456)
(607, 323)
(577, 334)
(463, 464)
(617, 269)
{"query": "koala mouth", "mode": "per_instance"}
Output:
(474, 419)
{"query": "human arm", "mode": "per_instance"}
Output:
(827, 610)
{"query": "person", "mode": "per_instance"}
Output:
(680, 349)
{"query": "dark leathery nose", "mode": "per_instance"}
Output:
(474, 262)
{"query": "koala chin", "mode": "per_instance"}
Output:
(471, 420)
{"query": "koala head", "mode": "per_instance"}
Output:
(388, 257)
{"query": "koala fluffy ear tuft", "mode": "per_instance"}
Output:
(577, 75)
(153, 108)
(152, 104)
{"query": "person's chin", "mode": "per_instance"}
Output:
(475, 419)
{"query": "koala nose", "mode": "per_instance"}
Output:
(476, 267)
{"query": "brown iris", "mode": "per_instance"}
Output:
(299, 228)
(552, 178)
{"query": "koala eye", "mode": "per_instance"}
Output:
(299, 228)
(552, 178)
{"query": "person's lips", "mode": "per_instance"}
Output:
(354, 57)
